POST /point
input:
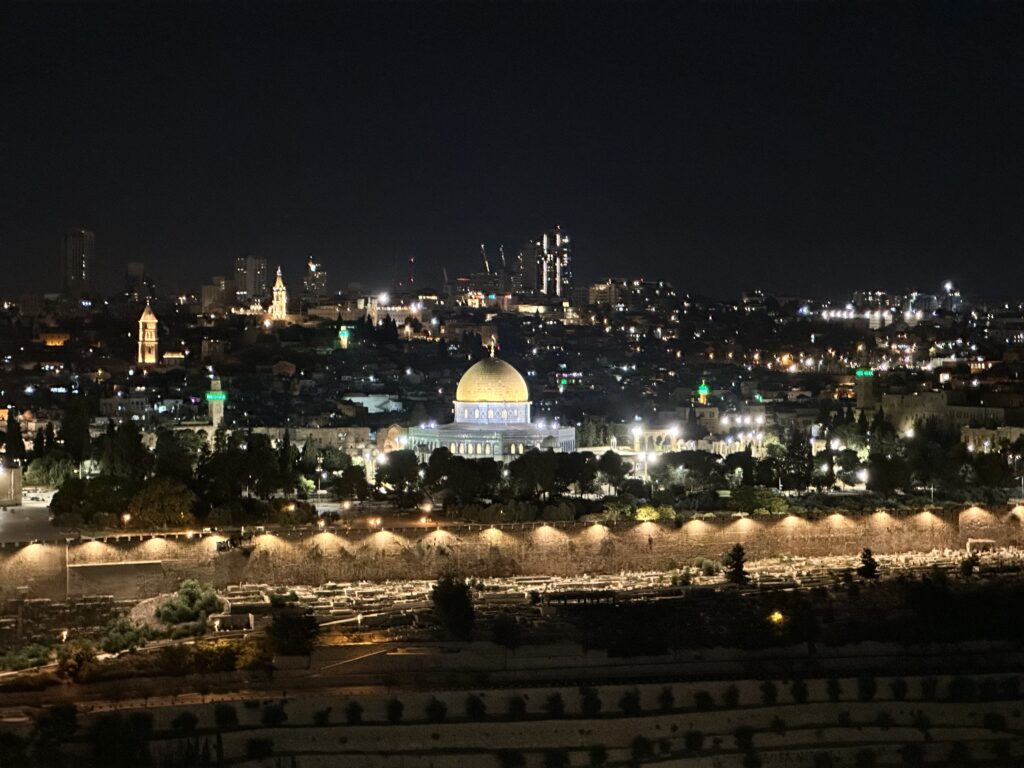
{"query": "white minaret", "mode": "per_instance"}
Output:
(279, 304)
(215, 398)
(147, 337)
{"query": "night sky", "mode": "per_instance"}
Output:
(802, 148)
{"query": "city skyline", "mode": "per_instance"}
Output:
(722, 148)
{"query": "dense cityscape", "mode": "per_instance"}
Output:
(516, 503)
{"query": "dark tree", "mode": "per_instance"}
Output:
(969, 565)
(436, 710)
(273, 715)
(556, 758)
(731, 697)
(14, 444)
(868, 568)
(744, 736)
(867, 687)
(453, 606)
(516, 707)
(39, 444)
(798, 690)
(475, 708)
(394, 710)
(612, 468)
(703, 701)
(185, 723)
(505, 631)
(798, 463)
(898, 688)
(735, 561)
(642, 749)
(352, 484)
(834, 689)
(354, 713)
(292, 633)
(400, 471)
(225, 716)
(590, 701)
(511, 758)
(629, 702)
(666, 699)
(554, 705)
(259, 749)
(693, 741)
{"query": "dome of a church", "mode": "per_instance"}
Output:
(492, 381)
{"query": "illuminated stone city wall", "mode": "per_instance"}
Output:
(145, 566)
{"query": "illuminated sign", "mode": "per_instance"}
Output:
(216, 395)
(865, 372)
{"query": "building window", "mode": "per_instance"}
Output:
(487, 449)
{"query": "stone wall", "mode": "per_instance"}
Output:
(144, 566)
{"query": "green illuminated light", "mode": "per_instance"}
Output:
(215, 395)
(865, 372)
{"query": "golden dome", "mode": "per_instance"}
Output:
(492, 381)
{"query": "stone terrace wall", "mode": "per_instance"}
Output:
(146, 566)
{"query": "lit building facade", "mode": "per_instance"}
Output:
(545, 266)
(279, 303)
(492, 419)
(314, 282)
(148, 352)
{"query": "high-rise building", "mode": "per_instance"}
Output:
(215, 295)
(137, 284)
(314, 282)
(250, 279)
(147, 337)
(77, 262)
(279, 304)
(545, 266)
